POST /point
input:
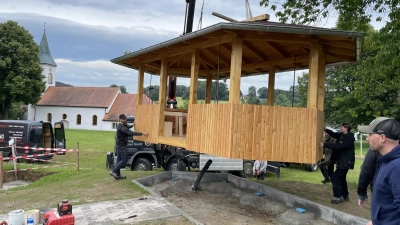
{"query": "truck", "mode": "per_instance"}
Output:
(146, 156)
(34, 134)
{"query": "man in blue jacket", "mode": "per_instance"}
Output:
(383, 135)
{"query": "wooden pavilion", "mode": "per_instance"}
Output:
(232, 51)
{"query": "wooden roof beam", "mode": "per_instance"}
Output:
(207, 61)
(341, 57)
(149, 57)
(255, 51)
(277, 49)
(175, 60)
(340, 44)
(291, 38)
(276, 62)
(215, 53)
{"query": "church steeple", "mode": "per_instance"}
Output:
(44, 52)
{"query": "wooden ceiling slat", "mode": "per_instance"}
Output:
(277, 49)
(255, 51)
(222, 58)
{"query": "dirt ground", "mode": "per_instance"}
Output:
(224, 203)
(219, 208)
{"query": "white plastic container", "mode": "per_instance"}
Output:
(17, 217)
(34, 213)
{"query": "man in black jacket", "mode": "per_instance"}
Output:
(123, 133)
(367, 175)
(327, 164)
(344, 148)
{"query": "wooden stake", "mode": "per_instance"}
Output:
(77, 166)
(1, 169)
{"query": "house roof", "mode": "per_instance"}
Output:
(95, 97)
(265, 44)
(44, 52)
(126, 104)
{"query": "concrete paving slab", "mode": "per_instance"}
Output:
(117, 212)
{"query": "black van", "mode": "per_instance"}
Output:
(31, 134)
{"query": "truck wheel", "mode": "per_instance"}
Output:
(142, 164)
(247, 169)
(311, 167)
(173, 165)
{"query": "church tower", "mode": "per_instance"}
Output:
(47, 62)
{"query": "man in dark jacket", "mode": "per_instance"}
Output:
(344, 148)
(383, 135)
(367, 175)
(123, 133)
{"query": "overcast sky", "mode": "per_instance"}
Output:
(84, 35)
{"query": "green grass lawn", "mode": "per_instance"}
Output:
(92, 183)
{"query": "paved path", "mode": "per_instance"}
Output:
(116, 212)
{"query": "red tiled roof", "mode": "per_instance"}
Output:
(126, 104)
(97, 97)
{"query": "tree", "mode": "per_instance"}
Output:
(314, 11)
(152, 92)
(252, 91)
(262, 92)
(21, 76)
(121, 88)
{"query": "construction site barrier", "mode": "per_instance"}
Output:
(32, 157)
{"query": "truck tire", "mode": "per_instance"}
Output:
(311, 167)
(141, 164)
(247, 169)
(172, 165)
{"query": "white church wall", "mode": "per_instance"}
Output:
(72, 113)
(47, 70)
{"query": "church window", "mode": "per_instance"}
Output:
(49, 117)
(64, 116)
(94, 120)
(50, 78)
(78, 119)
(114, 125)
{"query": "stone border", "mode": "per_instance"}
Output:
(324, 212)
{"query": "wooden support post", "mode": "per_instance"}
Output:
(77, 165)
(312, 96)
(139, 99)
(162, 94)
(271, 85)
(1, 169)
(236, 71)
(208, 89)
(194, 76)
(321, 84)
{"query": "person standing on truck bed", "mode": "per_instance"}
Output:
(123, 133)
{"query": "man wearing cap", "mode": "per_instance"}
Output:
(383, 135)
(123, 133)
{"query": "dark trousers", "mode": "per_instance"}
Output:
(327, 169)
(261, 176)
(339, 183)
(122, 159)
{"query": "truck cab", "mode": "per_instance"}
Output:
(37, 134)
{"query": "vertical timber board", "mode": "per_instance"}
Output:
(147, 120)
(208, 88)
(236, 71)
(139, 97)
(312, 95)
(271, 85)
(321, 83)
(243, 132)
(257, 148)
(194, 76)
(208, 129)
(162, 94)
(319, 132)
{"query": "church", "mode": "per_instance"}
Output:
(88, 108)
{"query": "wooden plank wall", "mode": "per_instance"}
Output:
(271, 133)
(208, 129)
(147, 119)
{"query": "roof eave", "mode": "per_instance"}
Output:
(244, 26)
